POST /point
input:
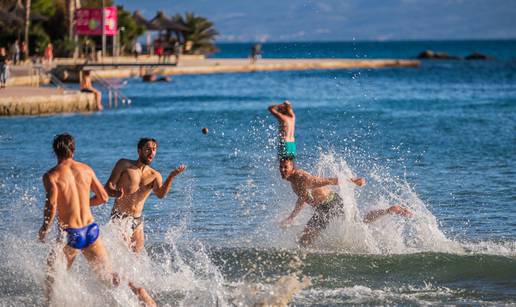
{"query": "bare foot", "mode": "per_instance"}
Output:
(399, 210)
(143, 296)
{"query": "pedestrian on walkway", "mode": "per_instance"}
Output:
(3, 67)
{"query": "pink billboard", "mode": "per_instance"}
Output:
(89, 21)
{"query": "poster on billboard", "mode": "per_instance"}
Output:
(89, 21)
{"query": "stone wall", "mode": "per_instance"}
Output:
(48, 104)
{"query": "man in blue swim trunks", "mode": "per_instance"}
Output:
(68, 186)
(287, 124)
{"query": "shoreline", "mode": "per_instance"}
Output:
(21, 99)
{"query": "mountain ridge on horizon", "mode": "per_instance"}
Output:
(335, 20)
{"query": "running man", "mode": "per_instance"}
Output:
(287, 123)
(68, 187)
(327, 204)
(131, 182)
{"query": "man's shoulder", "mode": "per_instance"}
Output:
(124, 163)
(82, 166)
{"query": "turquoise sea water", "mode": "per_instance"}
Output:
(440, 139)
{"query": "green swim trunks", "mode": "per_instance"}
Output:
(287, 150)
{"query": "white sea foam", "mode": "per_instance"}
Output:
(390, 234)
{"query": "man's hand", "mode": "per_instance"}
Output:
(285, 223)
(181, 168)
(121, 193)
(42, 234)
(359, 181)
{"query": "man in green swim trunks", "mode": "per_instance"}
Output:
(327, 204)
(287, 124)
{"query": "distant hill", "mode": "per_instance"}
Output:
(327, 20)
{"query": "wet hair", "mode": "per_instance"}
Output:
(144, 141)
(64, 145)
(86, 72)
(287, 158)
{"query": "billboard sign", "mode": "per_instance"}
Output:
(88, 21)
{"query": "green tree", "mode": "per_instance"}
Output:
(201, 33)
(131, 29)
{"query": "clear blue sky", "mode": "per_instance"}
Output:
(327, 20)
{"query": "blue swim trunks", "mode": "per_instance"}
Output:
(287, 150)
(80, 238)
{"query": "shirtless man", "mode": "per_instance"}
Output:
(327, 204)
(131, 182)
(87, 87)
(287, 123)
(68, 187)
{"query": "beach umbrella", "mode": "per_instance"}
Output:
(8, 18)
(162, 22)
(19, 11)
(138, 17)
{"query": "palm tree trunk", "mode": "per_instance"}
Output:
(70, 12)
(27, 24)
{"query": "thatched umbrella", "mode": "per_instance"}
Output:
(9, 18)
(162, 22)
(138, 17)
(19, 11)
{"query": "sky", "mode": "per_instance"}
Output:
(344, 20)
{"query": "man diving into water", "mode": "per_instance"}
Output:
(287, 124)
(327, 204)
(68, 187)
(132, 181)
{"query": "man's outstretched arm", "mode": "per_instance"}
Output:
(313, 182)
(299, 205)
(162, 189)
(49, 212)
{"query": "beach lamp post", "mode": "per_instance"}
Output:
(103, 28)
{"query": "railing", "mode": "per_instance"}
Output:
(113, 90)
(37, 71)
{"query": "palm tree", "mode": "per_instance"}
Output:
(27, 24)
(200, 36)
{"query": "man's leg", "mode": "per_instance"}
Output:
(309, 235)
(372, 216)
(96, 255)
(70, 254)
(313, 228)
(98, 97)
(138, 239)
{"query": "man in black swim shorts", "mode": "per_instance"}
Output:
(327, 204)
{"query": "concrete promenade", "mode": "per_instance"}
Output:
(21, 100)
(214, 66)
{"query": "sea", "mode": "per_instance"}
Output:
(439, 139)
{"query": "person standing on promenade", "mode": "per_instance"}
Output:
(3, 67)
(287, 123)
(131, 182)
(137, 49)
(327, 204)
(68, 186)
(49, 54)
(14, 52)
(87, 87)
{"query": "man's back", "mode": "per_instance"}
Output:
(72, 181)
